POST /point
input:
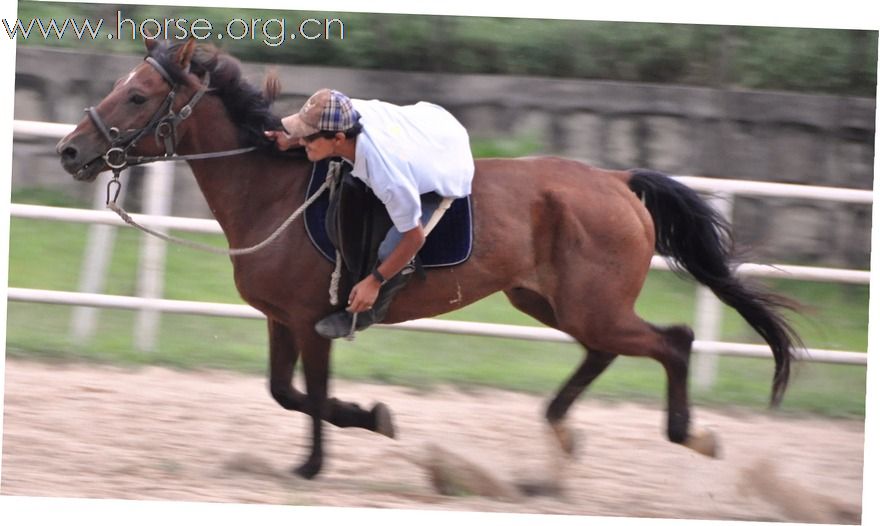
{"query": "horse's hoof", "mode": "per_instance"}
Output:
(383, 421)
(704, 442)
(565, 437)
(308, 470)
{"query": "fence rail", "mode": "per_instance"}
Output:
(210, 226)
(708, 307)
(520, 332)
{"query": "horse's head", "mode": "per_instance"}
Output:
(150, 100)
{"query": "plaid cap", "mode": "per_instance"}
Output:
(326, 110)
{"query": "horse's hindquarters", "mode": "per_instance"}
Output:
(547, 225)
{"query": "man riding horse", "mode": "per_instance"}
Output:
(411, 157)
(582, 238)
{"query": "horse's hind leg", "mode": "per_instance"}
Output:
(671, 346)
(679, 339)
(593, 365)
(675, 358)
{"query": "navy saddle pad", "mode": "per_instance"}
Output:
(450, 242)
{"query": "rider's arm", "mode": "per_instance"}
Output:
(403, 253)
(364, 294)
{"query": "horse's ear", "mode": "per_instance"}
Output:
(272, 86)
(185, 53)
(150, 44)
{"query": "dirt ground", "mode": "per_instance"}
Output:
(157, 434)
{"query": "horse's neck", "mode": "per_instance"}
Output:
(243, 190)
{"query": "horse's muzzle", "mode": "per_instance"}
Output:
(77, 162)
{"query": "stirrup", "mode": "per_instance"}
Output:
(343, 324)
(340, 323)
(336, 325)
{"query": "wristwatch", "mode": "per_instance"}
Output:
(379, 277)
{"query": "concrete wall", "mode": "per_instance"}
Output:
(769, 136)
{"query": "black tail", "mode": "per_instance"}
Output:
(698, 240)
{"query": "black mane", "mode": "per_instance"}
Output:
(248, 107)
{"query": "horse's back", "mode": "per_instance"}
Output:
(548, 174)
(599, 200)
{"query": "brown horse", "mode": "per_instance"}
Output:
(567, 243)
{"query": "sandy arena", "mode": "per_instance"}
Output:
(157, 434)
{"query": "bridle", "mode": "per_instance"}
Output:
(163, 124)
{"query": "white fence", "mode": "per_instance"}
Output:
(150, 303)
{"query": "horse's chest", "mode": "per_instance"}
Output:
(258, 283)
(268, 284)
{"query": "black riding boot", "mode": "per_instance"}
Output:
(338, 324)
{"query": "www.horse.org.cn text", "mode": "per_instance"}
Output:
(270, 31)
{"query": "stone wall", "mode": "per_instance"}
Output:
(768, 136)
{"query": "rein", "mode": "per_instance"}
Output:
(164, 126)
(215, 250)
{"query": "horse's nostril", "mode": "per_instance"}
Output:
(69, 153)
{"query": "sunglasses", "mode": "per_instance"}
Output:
(321, 134)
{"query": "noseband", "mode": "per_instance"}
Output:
(163, 124)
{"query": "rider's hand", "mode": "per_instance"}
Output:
(282, 139)
(363, 295)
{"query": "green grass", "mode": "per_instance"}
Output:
(507, 147)
(48, 255)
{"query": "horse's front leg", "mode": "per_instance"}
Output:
(283, 355)
(316, 366)
(284, 351)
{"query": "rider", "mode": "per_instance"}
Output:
(411, 157)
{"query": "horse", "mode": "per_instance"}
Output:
(568, 244)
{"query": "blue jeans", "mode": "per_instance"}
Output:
(430, 202)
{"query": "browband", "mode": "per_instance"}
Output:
(165, 75)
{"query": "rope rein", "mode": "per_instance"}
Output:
(333, 174)
(216, 250)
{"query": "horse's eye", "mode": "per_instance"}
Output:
(137, 99)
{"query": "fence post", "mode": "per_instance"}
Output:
(151, 267)
(708, 310)
(96, 260)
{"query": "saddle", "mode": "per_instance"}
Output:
(356, 222)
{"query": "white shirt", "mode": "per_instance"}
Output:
(405, 151)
